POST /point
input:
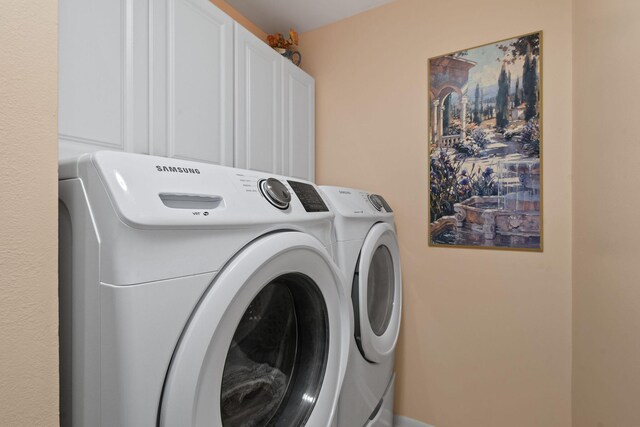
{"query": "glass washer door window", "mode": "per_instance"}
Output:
(380, 290)
(276, 362)
(377, 294)
(266, 344)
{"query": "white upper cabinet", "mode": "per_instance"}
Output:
(179, 78)
(192, 81)
(258, 114)
(103, 68)
(274, 111)
(298, 98)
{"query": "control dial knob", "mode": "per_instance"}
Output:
(275, 192)
(375, 201)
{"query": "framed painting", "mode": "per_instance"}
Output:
(485, 146)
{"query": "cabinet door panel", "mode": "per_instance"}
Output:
(192, 82)
(299, 122)
(258, 142)
(100, 75)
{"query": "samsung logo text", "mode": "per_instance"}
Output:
(177, 169)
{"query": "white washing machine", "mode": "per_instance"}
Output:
(367, 251)
(196, 295)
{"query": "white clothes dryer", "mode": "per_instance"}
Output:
(367, 251)
(196, 295)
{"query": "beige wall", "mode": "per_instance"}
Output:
(606, 299)
(28, 211)
(486, 338)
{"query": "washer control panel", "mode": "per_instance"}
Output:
(379, 203)
(275, 192)
(155, 192)
(352, 202)
(373, 199)
(309, 197)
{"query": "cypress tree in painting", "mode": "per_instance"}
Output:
(502, 100)
(531, 88)
(508, 89)
(516, 97)
(476, 106)
(525, 77)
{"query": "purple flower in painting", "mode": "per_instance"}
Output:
(464, 181)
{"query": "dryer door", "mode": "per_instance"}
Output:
(377, 294)
(267, 344)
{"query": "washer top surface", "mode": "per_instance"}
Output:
(356, 211)
(155, 192)
(355, 203)
(144, 207)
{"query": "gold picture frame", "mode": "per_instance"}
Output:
(485, 147)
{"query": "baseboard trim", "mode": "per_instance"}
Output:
(400, 421)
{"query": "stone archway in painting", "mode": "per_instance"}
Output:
(448, 75)
(455, 101)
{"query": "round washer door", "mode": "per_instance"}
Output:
(267, 344)
(377, 294)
